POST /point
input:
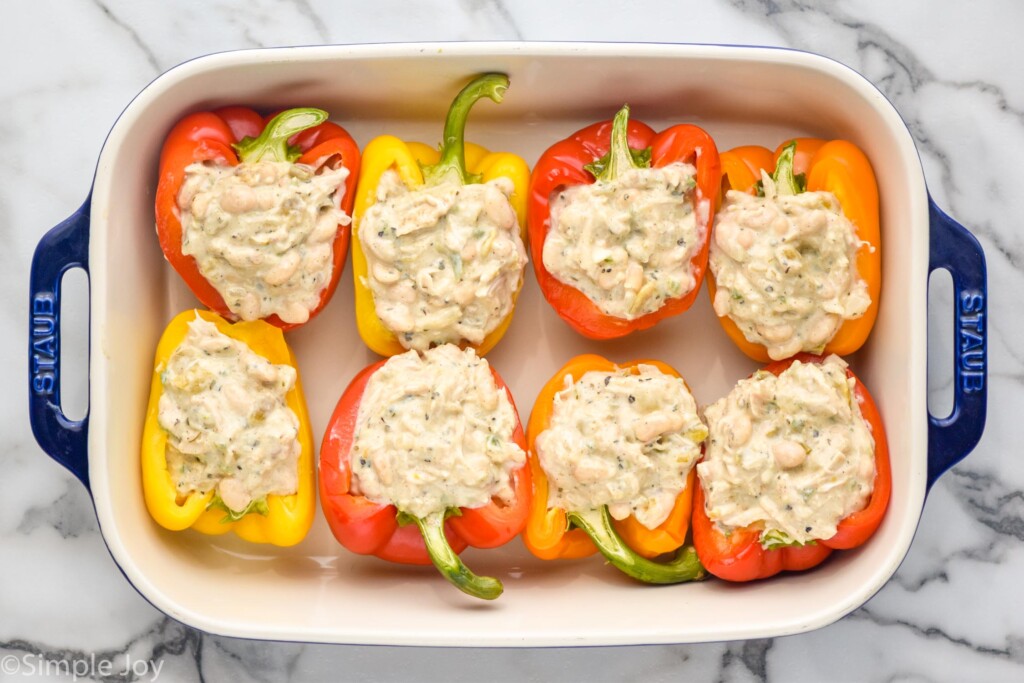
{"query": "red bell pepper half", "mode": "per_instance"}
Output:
(229, 136)
(739, 555)
(370, 528)
(601, 152)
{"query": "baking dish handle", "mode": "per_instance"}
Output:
(64, 247)
(956, 250)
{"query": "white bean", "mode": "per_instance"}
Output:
(744, 238)
(237, 398)
(440, 319)
(634, 276)
(399, 319)
(502, 247)
(789, 454)
(590, 470)
(823, 329)
(790, 348)
(775, 333)
(404, 291)
(469, 251)
(722, 303)
(383, 249)
(241, 257)
(263, 372)
(200, 204)
(650, 426)
(249, 307)
(294, 313)
(318, 256)
(738, 430)
(607, 279)
(285, 268)
(619, 510)
(188, 191)
(761, 218)
(499, 210)
(465, 293)
(814, 222)
(238, 199)
(326, 228)
(425, 281)
(233, 493)
(385, 274)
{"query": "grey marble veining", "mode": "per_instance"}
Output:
(955, 71)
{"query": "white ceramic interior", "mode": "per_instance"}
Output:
(317, 591)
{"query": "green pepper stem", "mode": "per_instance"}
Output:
(620, 157)
(448, 562)
(786, 183)
(272, 143)
(598, 525)
(453, 148)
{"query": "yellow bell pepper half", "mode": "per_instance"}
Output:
(288, 518)
(409, 160)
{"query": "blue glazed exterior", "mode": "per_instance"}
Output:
(956, 250)
(64, 247)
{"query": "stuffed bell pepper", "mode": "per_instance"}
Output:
(796, 254)
(796, 465)
(612, 453)
(253, 213)
(227, 444)
(619, 222)
(423, 456)
(438, 253)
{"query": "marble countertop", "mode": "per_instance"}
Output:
(955, 71)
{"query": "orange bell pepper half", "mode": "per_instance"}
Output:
(835, 166)
(739, 555)
(554, 533)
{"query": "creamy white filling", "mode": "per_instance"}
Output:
(434, 432)
(790, 454)
(627, 244)
(227, 420)
(623, 440)
(444, 262)
(263, 233)
(786, 269)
